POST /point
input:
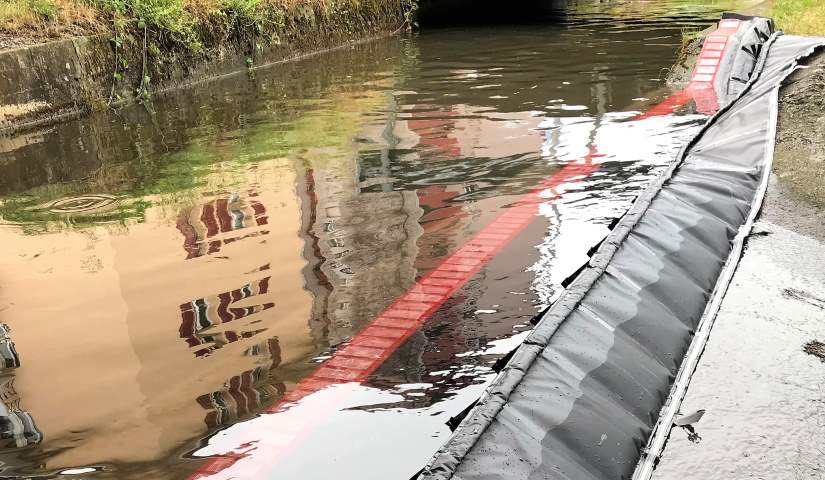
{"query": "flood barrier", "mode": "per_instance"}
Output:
(356, 360)
(365, 352)
(593, 390)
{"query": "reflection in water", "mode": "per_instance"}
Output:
(203, 321)
(172, 275)
(245, 394)
(82, 204)
(366, 243)
(222, 216)
(17, 427)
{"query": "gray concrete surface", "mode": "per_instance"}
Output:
(764, 396)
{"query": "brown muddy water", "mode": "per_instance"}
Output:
(168, 274)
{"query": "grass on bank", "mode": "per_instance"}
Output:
(17, 13)
(800, 17)
(38, 17)
(188, 24)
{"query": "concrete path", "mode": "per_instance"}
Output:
(764, 396)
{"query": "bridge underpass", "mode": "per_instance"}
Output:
(457, 12)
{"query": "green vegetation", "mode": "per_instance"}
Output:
(192, 24)
(152, 39)
(800, 17)
(26, 11)
(32, 20)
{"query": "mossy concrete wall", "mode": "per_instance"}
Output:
(46, 83)
(50, 80)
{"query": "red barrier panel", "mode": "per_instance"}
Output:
(701, 88)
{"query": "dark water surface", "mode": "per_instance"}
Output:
(169, 275)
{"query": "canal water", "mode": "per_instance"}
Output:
(171, 276)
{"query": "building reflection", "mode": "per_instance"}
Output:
(234, 297)
(366, 247)
(204, 321)
(17, 427)
(219, 222)
(247, 393)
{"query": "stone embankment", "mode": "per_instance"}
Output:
(49, 82)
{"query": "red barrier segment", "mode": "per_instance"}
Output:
(668, 105)
(701, 88)
(702, 82)
(368, 349)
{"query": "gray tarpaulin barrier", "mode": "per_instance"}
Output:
(592, 391)
(743, 51)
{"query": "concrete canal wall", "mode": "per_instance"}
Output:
(48, 82)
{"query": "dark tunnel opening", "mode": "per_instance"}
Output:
(446, 13)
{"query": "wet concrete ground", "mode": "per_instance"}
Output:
(764, 395)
